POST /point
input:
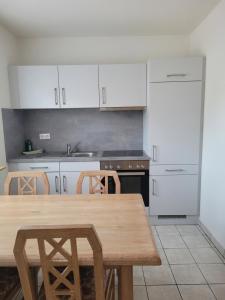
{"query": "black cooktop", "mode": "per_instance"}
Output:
(118, 153)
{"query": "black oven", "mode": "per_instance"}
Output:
(133, 175)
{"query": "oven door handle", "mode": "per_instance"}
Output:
(131, 173)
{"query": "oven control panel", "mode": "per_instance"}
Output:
(124, 165)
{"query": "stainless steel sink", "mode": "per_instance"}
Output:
(82, 154)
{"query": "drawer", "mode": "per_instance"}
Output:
(175, 69)
(167, 170)
(79, 166)
(45, 166)
(174, 195)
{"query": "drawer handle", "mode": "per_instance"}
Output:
(104, 101)
(176, 75)
(153, 187)
(57, 184)
(64, 184)
(56, 96)
(175, 170)
(35, 168)
(64, 96)
(154, 153)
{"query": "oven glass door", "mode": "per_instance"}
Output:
(133, 183)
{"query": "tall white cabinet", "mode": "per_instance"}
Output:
(172, 137)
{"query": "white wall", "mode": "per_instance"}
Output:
(8, 54)
(209, 39)
(100, 49)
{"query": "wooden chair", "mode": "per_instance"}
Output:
(98, 181)
(60, 264)
(26, 182)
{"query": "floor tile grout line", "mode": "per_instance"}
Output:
(145, 283)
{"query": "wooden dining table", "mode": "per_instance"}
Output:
(120, 221)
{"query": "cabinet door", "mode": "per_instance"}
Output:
(35, 86)
(175, 69)
(175, 122)
(174, 195)
(69, 182)
(54, 182)
(122, 85)
(79, 86)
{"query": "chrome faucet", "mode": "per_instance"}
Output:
(68, 149)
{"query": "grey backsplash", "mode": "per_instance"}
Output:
(91, 128)
(13, 124)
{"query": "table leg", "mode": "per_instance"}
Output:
(125, 283)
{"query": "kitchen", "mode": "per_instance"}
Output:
(147, 114)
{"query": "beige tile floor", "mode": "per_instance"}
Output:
(192, 268)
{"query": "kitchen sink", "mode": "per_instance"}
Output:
(83, 154)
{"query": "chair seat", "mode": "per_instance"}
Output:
(9, 283)
(87, 280)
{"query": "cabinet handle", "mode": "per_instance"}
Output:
(57, 184)
(64, 96)
(153, 187)
(56, 96)
(176, 75)
(64, 184)
(104, 95)
(175, 170)
(38, 168)
(154, 150)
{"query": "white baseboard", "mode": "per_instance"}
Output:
(211, 237)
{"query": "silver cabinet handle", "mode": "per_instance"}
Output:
(64, 184)
(153, 187)
(176, 75)
(56, 96)
(104, 95)
(64, 96)
(57, 184)
(174, 170)
(154, 154)
(38, 168)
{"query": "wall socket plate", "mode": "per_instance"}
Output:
(44, 136)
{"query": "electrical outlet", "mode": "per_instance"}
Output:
(44, 136)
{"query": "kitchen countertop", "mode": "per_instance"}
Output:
(61, 157)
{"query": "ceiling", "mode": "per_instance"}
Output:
(39, 18)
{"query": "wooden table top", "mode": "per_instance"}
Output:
(120, 221)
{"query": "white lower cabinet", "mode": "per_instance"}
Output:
(174, 195)
(69, 174)
(62, 176)
(54, 182)
(174, 190)
(69, 183)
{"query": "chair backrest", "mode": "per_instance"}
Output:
(98, 181)
(26, 182)
(60, 273)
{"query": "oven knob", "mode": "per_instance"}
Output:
(106, 167)
(142, 166)
(130, 166)
(118, 166)
(111, 167)
(138, 167)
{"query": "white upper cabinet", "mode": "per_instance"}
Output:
(175, 69)
(79, 86)
(122, 85)
(34, 86)
(175, 122)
